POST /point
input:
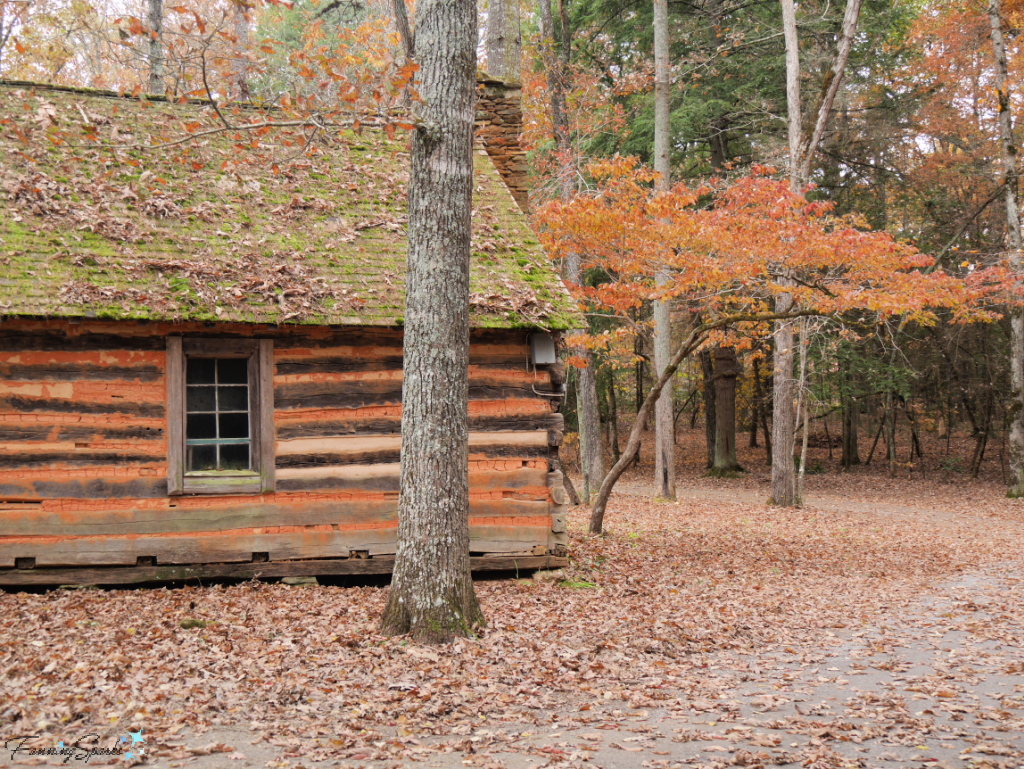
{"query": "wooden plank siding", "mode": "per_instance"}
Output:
(84, 445)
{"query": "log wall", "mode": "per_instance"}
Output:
(83, 447)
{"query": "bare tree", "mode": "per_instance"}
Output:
(432, 595)
(664, 424)
(1011, 191)
(802, 148)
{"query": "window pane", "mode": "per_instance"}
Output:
(199, 370)
(233, 371)
(232, 399)
(201, 426)
(200, 399)
(234, 457)
(234, 426)
(203, 458)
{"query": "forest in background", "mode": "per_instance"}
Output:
(910, 147)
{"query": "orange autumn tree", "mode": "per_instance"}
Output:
(724, 249)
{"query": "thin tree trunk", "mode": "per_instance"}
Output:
(574, 498)
(710, 406)
(982, 440)
(613, 418)
(784, 415)
(401, 13)
(431, 594)
(762, 410)
(755, 415)
(726, 371)
(851, 425)
(664, 438)
(890, 434)
(802, 398)
(156, 47)
(871, 454)
(1013, 230)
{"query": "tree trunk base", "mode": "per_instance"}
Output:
(730, 471)
(457, 616)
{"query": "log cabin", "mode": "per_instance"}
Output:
(201, 347)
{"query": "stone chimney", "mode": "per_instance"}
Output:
(499, 121)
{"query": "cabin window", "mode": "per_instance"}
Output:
(220, 416)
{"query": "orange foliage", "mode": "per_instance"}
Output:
(728, 247)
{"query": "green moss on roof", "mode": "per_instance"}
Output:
(96, 223)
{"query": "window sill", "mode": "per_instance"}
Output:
(249, 483)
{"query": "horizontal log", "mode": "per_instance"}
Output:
(385, 478)
(355, 394)
(193, 548)
(360, 443)
(20, 341)
(348, 365)
(92, 488)
(387, 456)
(239, 546)
(56, 433)
(235, 485)
(393, 425)
(78, 458)
(384, 337)
(311, 568)
(221, 517)
(74, 372)
(22, 405)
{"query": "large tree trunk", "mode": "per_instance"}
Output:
(504, 40)
(156, 47)
(664, 433)
(1015, 409)
(710, 406)
(726, 371)
(431, 593)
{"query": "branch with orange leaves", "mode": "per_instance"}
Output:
(694, 339)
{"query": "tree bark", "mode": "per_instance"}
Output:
(710, 406)
(156, 47)
(504, 40)
(431, 595)
(726, 371)
(1015, 409)
(664, 432)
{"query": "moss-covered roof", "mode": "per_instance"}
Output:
(100, 216)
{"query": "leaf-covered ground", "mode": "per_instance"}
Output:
(704, 624)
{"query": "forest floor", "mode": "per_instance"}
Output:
(882, 625)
